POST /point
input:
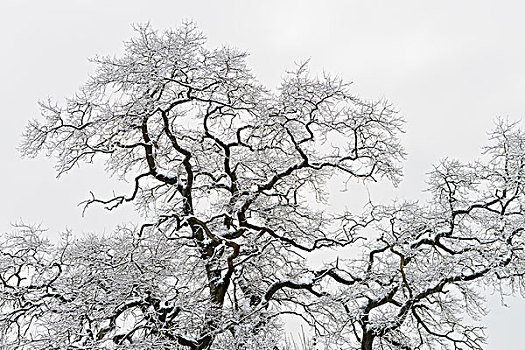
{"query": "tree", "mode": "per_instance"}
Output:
(230, 180)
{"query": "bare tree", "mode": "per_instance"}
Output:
(226, 175)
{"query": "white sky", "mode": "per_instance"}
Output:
(450, 68)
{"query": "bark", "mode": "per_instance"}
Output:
(367, 340)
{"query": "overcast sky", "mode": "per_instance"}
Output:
(449, 67)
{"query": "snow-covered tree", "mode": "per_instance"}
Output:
(229, 179)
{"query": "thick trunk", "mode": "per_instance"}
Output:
(218, 287)
(213, 255)
(367, 341)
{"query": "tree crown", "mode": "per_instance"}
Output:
(224, 172)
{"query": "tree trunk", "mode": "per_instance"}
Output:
(367, 341)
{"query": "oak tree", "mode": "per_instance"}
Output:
(230, 178)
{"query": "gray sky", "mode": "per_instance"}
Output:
(449, 67)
